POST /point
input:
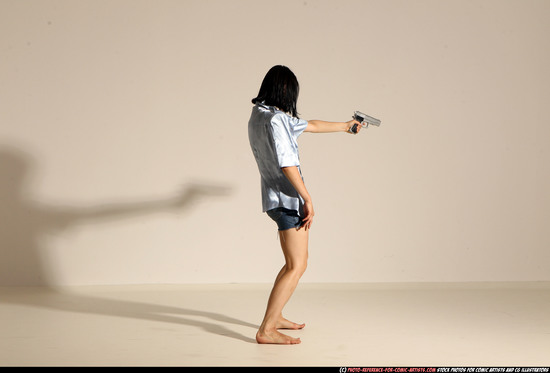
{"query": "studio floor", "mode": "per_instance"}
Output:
(376, 324)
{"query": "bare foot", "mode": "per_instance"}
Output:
(274, 337)
(285, 324)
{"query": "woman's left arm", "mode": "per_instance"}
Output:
(320, 126)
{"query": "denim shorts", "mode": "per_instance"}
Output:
(285, 218)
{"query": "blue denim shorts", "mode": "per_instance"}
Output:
(285, 218)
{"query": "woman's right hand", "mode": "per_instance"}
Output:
(308, 215)
(350, 124)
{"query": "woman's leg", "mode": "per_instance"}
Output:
(283, 323)
(295, 249)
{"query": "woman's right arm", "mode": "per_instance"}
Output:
(320, 126)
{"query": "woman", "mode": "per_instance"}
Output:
(273, 131)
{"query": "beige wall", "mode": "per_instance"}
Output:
(110, 110)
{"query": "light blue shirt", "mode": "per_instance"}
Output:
(273, 137)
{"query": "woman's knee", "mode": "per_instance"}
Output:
(303, 267)
(298, 268)
(295, 248)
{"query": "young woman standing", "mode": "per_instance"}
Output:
(273, 130)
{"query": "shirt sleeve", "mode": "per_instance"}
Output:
(298, 126)
(286, 130)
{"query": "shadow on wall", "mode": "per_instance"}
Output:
(24, 221)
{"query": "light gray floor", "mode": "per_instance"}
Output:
(428, 324)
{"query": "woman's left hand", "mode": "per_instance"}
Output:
(308, 218)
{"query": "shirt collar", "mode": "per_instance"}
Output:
(273, 109)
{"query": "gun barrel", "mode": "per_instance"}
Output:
(368, 119)
(371, 120)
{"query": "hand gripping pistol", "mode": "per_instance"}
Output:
(365, 121)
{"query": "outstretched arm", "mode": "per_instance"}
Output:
(320, 126)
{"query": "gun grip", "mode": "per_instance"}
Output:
(354, 128)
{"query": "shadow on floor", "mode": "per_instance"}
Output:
(24, 221)
(68, 301)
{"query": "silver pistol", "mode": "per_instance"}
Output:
(365, 121)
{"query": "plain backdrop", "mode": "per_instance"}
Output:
(124, 155)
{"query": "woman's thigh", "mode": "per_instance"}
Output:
(295, 246)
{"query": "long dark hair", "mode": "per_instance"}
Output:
(279, 88)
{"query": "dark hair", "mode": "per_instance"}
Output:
(279, 88)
